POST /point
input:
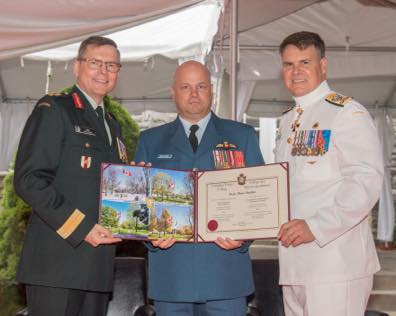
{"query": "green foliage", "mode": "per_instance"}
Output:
(165, 222)
(153, 224)
(129, 128)
(109, 217)
(13, 221)
(12, 299)
(12, 230)
(15, 213)
(10, 198)
(162, 184)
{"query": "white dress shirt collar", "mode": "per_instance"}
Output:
(202, 123)
(322, 90)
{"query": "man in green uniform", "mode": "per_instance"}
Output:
(67, 259)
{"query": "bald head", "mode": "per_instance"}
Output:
(191, 66)
(192, 91)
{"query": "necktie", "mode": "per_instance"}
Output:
(99, 110)
(193, 138)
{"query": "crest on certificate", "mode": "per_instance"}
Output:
(241, 179)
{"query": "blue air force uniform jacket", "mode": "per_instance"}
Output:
(57, 173)
(197, 272)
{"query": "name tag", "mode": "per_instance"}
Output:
(84, 130)
(165, 156)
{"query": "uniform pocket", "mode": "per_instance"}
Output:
(82, 156)
(315, 167)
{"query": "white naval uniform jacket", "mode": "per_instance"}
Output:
(333, 192)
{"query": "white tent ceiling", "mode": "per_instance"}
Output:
(28, 26)
(361, 39)
(360, 35)
(161, 36)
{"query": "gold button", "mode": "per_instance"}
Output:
(87, 145)
(289, 140)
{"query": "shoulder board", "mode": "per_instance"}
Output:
(45, 101)
(288, 110)
(48, 99)
(337, 99)
(57, 94)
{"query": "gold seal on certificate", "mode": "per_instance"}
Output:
(194, 206)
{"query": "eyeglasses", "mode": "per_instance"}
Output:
(97, 64)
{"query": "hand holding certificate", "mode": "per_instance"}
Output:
(194, 206)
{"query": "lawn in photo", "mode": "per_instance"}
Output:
(147, 203)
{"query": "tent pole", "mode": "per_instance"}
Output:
(3, 94)
(233, 57)
(391, 94)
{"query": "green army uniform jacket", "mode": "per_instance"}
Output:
(57, 172)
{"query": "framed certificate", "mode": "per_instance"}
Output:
(194, 206)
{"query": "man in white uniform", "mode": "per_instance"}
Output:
(327, 256)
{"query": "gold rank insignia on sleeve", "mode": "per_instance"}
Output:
(70, 225)
(337, 99)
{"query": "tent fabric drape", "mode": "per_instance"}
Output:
(12, 120)
(26, 27)
(188, 32)
(245, 92)
(386, 210)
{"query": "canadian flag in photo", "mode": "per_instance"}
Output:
(127, 173)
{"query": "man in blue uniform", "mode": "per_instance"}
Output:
(65, 263)
(198, 279)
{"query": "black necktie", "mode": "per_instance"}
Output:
(99, 110)
(193, 138)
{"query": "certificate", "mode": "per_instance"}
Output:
(243, 203)
(194, 206)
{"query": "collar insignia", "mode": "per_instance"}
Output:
(77, 101)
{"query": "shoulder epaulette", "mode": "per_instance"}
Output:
(57, 94)
(288, 110)
(47, 100)
(337, 99)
